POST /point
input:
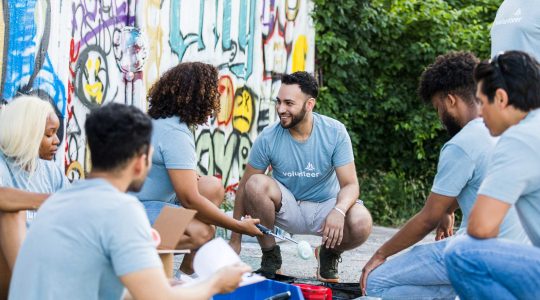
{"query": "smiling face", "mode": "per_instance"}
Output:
(291, 105)
(49, 142)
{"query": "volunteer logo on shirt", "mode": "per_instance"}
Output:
(307, 173)
(509, 19)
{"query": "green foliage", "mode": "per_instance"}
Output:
(371, 54)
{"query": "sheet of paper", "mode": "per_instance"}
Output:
(215, 255)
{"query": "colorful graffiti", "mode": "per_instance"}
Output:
(83, 63)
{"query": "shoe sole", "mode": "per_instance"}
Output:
(319, 277)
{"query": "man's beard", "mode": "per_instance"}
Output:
(450, 124)
(295, 119)
(136, 185)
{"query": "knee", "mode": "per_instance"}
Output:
(256, 184)
(213, 189)
(374, 286)
(361, 223)
(204, 234)
(454, 253)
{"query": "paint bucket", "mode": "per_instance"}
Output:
(314, 292)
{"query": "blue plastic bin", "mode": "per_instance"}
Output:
(262, 290)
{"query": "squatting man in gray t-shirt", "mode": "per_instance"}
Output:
(313, 188)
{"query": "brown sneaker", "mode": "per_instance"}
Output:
(328, 260)
(270, 263)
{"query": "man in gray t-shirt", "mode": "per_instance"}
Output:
(482, 266)
(91, 239)
(449, 86)
(313, 188)
(517, 27)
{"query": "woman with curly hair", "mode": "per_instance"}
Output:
(184, 97)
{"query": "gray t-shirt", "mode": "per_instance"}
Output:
(517, 27)
(306, 168)
(84, 238)
(514, 173)
(46, 179)
(174, 148)
(462, 167)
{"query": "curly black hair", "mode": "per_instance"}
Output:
(188, 90)
(450, 73)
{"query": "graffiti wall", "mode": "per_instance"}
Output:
(85, 53)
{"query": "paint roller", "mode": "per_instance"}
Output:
(303, 248)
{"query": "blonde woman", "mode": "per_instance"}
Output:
(28, 143)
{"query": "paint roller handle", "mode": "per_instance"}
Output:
(280, 296)
(263, 229)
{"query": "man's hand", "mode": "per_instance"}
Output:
(332, 229)
(446, 227)
(375, 261)
(228, 278)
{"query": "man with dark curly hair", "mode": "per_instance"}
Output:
(313, 188)
(449, 86)
(184, 97)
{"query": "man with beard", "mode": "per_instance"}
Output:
(313, 188)
(91, 239)
(449, 86)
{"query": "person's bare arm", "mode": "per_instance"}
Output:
(486, 217)
(185, 186)
(152, 284)
(412, 232)
(332, 229)
(13, 200)
(446, 224)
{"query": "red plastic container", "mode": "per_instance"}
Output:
(314, 292)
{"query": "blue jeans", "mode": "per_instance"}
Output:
(417, 274)
(153, 208)
(493, 269)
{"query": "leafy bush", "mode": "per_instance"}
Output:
(371, 54)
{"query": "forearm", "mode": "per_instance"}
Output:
(453, 207)
(12, 200)
(347, 196)
(411, 233)
(209, 213)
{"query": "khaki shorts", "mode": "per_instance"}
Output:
(303, 217)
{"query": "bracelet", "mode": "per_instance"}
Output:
(339, 210)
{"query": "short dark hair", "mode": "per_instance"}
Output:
(516, 72)
(450, 73)
(307, 83)
(188, 90)
(116, 133)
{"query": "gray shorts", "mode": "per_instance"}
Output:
(303, 217)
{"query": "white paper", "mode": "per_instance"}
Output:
(215, 255)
